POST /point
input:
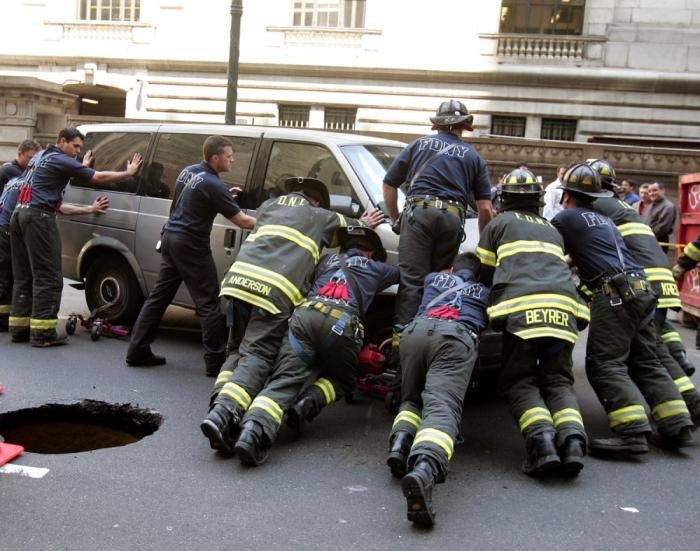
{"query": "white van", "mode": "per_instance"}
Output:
(114, 254)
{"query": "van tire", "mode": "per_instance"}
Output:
(110, 279)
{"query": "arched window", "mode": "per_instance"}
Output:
(542, 16)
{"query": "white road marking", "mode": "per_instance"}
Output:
(23, 470)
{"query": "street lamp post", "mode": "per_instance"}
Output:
(233, 54)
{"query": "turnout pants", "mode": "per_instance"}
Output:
(538, 382)
(310, 343)
(188, 261)
(681, 380)
(621, 361)
(437, 359)
(244, 375)
(430, 239)
(36, 267)
(5, 278)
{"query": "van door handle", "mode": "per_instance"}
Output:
(229, 240)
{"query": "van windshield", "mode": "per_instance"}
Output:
(370, 163)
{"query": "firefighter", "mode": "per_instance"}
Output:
(535, 304)
(437, 353)
(25, 151)
(622, 326)
(644, 248)
(35, 241)
(325, 332)
(441, 174)
(686, 261)
(268, 279)
(186, 256)
(8, 200)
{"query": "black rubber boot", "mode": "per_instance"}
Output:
(252, 447)
(571, 455)
(417, 487)
(219, 426)
(305, 410)
(683, 439)
(542, 454)
(399, 448)
(4, 323)
(619, 445)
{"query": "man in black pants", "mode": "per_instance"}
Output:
(621, 356)
(186, 256)
(35, 241)
(441, 174)
(25, 151)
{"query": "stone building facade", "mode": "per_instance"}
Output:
(547, 80)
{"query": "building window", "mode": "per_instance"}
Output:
(542, 16)
(296, 116)
(508, 126)
(110, 10)
(558, 129)
(339, 118)
(329, 13)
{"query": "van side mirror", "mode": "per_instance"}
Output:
(344, 205)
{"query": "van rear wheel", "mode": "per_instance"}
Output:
(112, 292)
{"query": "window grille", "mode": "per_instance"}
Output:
(340, 118)
(508, 126)
(559, 129)
(295, 116)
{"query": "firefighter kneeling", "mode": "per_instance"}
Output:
(437, 353)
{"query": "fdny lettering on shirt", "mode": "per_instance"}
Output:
(532, 219)
(445, 281)
(357, 261)
(547, 315)
(438, 145)
(595, 219)
(289, 201)
(251, 284)
(190, 179)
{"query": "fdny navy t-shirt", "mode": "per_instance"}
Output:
(200, 195)
(8, 200)
(469, 302)
(8, 171)
(590, 238)
(371, 277)
(49, 172)
(456, 174)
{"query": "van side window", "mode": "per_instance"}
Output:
(111, 151)
(176, 151)
(302, 159)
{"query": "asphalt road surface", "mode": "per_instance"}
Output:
(328, 489)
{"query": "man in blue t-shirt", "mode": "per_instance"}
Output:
(621, 356)
(25, 151)
(186, 256)
(36, 243)
(443, 176)
(438, 351)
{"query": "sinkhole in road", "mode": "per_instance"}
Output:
(80, 427)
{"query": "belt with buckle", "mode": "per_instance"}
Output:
(435, 202)
(42, 208)
(335, 313)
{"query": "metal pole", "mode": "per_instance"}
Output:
(233, 54)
